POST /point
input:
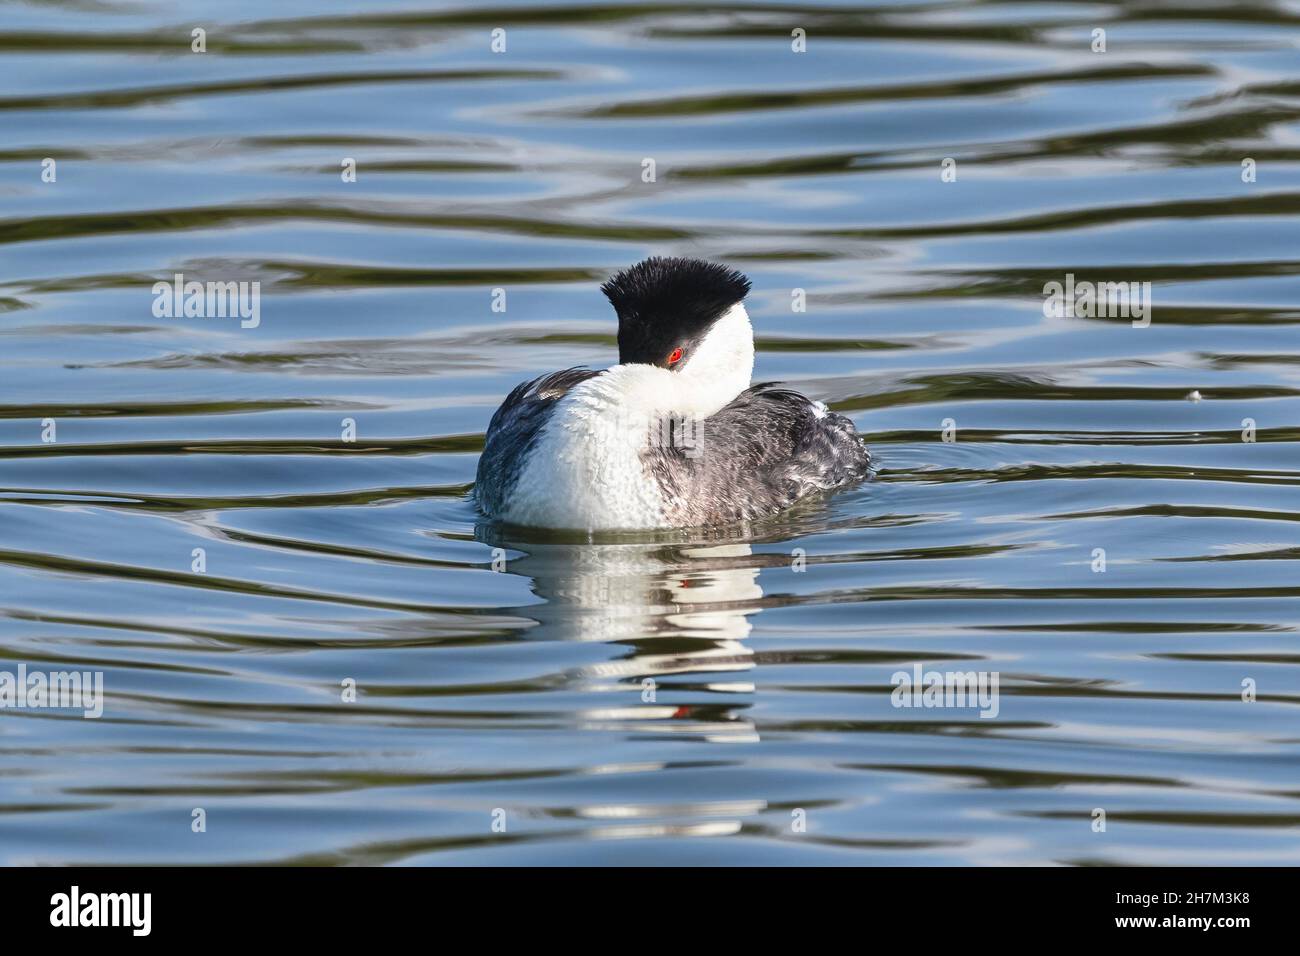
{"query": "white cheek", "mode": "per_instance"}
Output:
(722, 365)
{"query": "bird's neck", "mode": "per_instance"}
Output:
(716, 370)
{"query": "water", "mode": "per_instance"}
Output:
(772, 648)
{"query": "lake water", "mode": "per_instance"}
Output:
(1119, 554)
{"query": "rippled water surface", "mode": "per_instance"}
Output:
(517, 693)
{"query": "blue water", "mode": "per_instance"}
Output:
(713, 697)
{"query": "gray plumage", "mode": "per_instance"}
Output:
(685, 342)
(757, 456)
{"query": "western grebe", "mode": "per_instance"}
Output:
(673, 435)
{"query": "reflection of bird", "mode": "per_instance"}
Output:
(681, 610)
(672, 436)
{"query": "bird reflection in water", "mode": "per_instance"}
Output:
(681, 609)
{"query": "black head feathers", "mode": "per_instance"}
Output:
(664, 304)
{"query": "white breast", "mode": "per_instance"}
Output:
(585, 471)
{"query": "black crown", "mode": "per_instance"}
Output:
(663, 303)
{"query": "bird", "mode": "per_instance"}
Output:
(674, 435)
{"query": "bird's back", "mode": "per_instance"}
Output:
(570, 464)
(757, 456)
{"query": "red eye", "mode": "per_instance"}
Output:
(675, 357)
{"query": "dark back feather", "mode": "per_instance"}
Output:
(762, 452)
